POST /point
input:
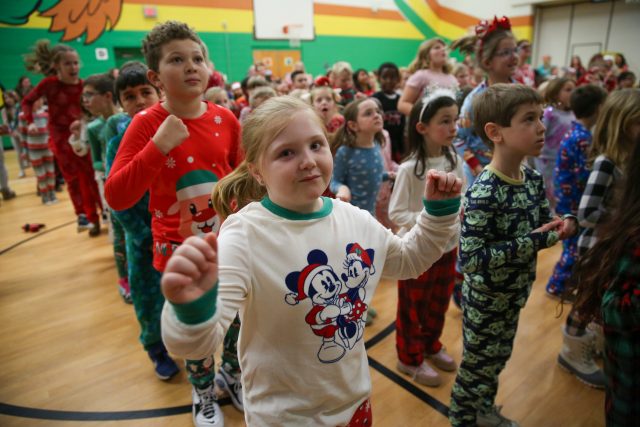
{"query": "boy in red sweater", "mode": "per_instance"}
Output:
(178, 150)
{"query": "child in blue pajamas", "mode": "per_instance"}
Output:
(135, 93)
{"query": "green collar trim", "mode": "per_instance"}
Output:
(327, 207)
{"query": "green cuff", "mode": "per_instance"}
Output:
(442, 207)
(200, 310)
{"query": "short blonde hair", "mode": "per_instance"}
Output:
(340, 67)
(212, 92)
(260, 94)
(261, 127)
(317, 89)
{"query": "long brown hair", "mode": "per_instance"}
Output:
(596, 269)
(611, 136)
(417, 144)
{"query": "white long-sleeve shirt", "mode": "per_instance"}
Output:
(406, 205)
(302, 284)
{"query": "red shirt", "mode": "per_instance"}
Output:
(179, 183)
(63, 101)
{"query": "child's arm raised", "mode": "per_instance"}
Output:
(170, 134)
(477, 254)
(424, 244)
(140, 159)
(192, 271)
(198, 311)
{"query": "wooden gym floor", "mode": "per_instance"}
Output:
(70, 356)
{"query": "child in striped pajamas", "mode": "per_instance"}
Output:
(40, 156)
(506, 222)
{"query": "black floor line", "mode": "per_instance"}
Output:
(50, 414)
(36, 235)
(410, 387)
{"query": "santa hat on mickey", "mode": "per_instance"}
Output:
(304, 282)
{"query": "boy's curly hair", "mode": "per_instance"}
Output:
(162, 34)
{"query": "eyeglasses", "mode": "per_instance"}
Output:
(88, 95)
(506, 52)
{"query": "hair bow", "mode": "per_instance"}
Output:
(484, 28)
(322, 81)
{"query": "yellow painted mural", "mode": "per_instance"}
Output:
(90, 18)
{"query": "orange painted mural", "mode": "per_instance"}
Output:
(74, 18)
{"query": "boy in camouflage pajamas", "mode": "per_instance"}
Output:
(506, 221)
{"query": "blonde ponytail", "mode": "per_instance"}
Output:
(235, 191)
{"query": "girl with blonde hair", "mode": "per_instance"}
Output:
(429, 70)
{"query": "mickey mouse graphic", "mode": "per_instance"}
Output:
(359, 267)
(318, 282)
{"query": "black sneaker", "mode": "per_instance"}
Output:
(94, 229)
(232, 386)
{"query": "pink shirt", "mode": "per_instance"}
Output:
(426, 80)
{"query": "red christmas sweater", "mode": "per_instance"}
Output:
(179, 183)
(63, 101)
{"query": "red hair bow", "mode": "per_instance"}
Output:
(484, 28)
(322, 81)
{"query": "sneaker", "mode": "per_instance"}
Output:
(423, 374)
(442, 360)
(83, 223)
(45, 198)
(125, 290)
(52, 198)
(205, 410)
(94, 229)
(493, 418)
(163, 364)
(232, 386)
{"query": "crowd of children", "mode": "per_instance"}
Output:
(456, 170)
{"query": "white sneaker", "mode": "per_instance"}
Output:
(205, 410)
(494, 418)
(231, 386)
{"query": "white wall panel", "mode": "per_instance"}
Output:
(552, 33)
(624, 35)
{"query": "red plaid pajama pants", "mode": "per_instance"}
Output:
(422, 304)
